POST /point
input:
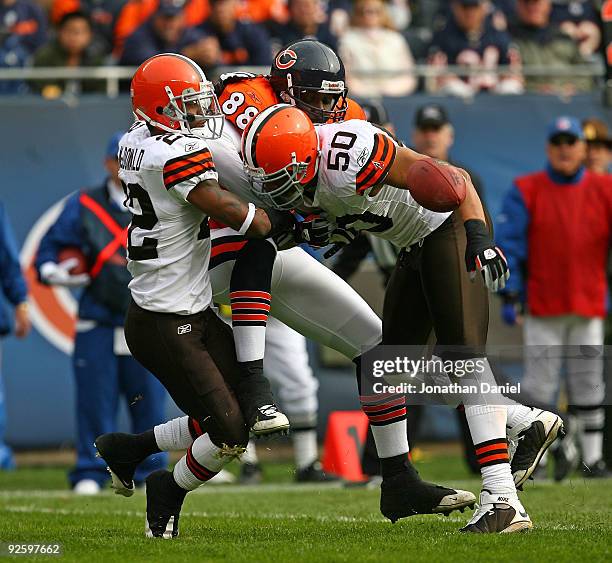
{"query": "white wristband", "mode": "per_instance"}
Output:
(248, 220)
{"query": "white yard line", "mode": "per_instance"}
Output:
(29, 509)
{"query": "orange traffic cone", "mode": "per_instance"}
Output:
(346, 433)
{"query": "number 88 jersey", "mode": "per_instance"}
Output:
(356, 156)
(242, 99)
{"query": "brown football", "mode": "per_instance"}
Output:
(436, 185)
(74, 252)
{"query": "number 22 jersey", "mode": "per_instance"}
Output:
(356, 156)
(168, 238)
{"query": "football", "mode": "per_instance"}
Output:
(75, 253)
(436, 185)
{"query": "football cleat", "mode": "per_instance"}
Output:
(164, 502)
(267, 419)
(314, 473)
(567, 454)
(530, 440)
(402, 496)
(498, 514)
(597, 470)
(117, 450)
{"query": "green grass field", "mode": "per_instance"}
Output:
(280, 521)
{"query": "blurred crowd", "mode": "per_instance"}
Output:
(379, 41)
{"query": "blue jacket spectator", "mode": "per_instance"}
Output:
(163, 32)
(95, 222)
(25, 20)
(241, 43)
(13, 288)
(23, 28)
(12, 284)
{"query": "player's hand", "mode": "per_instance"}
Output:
(53, 273)
(340, 237)
(482, 254)
(314, 230)
(23, 324)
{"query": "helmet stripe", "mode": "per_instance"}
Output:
(192, 63)
(254, 129)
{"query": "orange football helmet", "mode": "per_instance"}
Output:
(170, 92)
(280, 150)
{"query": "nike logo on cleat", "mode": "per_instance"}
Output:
(523, 514)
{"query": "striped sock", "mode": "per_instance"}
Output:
(200, 464)
(387, 416)
(250, 310)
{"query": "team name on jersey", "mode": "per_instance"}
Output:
(130, 159)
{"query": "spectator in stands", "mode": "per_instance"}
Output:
(470, 39)
(554, 223)
(103, 15)
(70, 48)
(95, 221)
(23, 28)
(372, 46)
(542, 43)
(579, 19)
(241, 43)
(599, 146)
(25, 21)
(163, 32)
(13, 288)
(306, 19)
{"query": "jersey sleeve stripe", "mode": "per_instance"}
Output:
(206, 164)
(204, 153)
(187, 175)
(187, 172)
(378, 165)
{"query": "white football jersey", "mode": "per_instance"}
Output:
(229, 165)
(356, 156)
(168, 238)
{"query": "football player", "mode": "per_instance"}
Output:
(170, 182)
(356, 173)
(310, 299)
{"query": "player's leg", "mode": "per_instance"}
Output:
(97, 394)
(544, 339)
(406, 320)
(146, 402)
(287, 366)
(197, 368)
(244, 268)
(459, 311)
(586, 393)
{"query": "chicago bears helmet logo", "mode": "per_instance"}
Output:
(286, 59)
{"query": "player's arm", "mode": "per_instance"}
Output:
(481, 252)
(229, 209)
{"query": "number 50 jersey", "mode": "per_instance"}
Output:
(168, 238)
(355, 157)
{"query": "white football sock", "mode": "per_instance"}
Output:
(591, 434)
(488, 429)
(305, 448)
(391, 440)
(250, 455)
(173, 435)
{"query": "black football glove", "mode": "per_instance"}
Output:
(482, 254)
(340, 237)
(314, 230)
